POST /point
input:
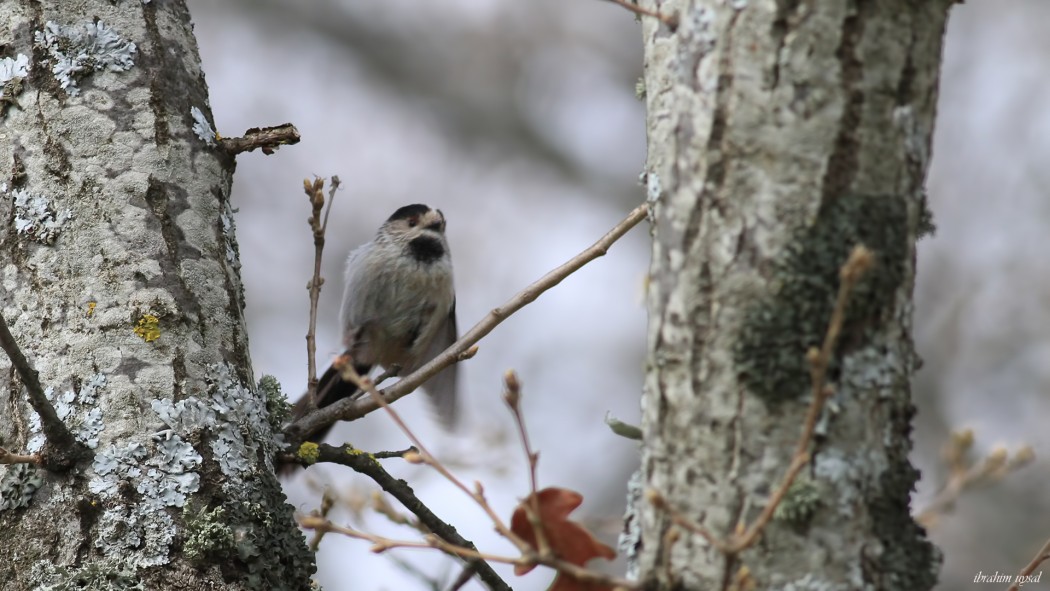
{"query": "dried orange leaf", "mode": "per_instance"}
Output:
(567, 539)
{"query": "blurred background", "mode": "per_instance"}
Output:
(519, 121)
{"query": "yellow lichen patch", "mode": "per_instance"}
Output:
(148, 328)
(353, 451)
(309, 452)
(91, 308)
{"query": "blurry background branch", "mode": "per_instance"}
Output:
(445, 77)
(965, 471)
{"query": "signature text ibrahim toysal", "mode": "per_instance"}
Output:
(998, 577)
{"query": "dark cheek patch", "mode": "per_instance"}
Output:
(426, 249)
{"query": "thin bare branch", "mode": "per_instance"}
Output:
(657, 500)
(382, 506)
(269, 139)
(61, 449)
(1039, 558)
(464, 577)
(386, 455)
(670, 21)
(7, 457)
(319, 226)
(512, 396)
(670, 538)
(382, 544)
(349, 410)
(336, 183)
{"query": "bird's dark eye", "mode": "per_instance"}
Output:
(413, 222)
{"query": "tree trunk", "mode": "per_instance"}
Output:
(781, 134)
(120, 281)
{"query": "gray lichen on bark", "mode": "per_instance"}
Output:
(135, 295)
(780, 135)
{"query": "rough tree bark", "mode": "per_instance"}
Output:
(120, 281)
(780, 135)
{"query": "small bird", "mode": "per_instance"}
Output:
(398, 310)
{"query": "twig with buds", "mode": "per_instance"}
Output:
(512, 396)
(318, 226)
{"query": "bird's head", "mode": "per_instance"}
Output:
(420, 229)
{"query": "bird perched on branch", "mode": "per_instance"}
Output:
(398, 310)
